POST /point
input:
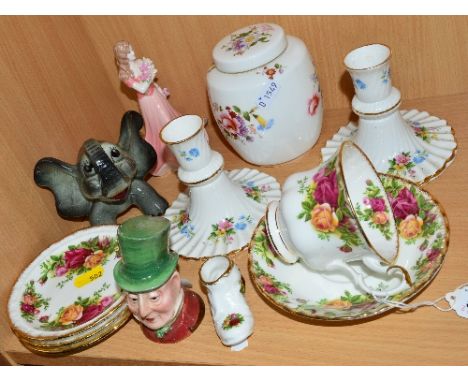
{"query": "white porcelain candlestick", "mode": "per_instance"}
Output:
(221, 209)
(412, 145)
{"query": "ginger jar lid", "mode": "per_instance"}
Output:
(249, 48)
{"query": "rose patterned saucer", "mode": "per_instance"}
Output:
(68, 294)
(430, 147)
(423, 234)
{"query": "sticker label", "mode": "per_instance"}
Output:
(267, 95)
(89, 276)
(458, 301)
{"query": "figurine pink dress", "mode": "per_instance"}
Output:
(154, 106)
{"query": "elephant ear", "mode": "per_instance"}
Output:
(63, 180)
(137, 148)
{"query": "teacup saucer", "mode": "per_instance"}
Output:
(433, 148)
(301, 292)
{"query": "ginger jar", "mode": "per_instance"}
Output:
(265, 95)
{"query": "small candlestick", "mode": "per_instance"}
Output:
(413, 145)
(219, 213)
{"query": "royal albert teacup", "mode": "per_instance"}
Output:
(335, 214)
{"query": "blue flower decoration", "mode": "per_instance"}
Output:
(250, 183)
(194, 152)
(267, 127)
(360, 84)
(240, 226)
(419, 157)
(386, 76)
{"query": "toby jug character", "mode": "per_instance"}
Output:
(148, 274)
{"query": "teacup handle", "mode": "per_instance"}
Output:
(358, 278)
(375, 265)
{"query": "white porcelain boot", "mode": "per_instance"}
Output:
(231, 315)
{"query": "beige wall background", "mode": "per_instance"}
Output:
(59, 86)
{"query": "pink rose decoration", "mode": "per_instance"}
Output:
(103, 242)
(89, 313)
(377, 204)
(61, 270)
(404, 204)
(433, 254)
(326, 190)
(106, 301)
(76, 257)
(232, 123)
(313, 104)
(27, 308)
(402, 159)
(346, 249)
(224, 225)
(268, 286)
(349, 224)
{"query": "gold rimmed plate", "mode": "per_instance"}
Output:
(69, 289)
(306, 294)
(101, 333)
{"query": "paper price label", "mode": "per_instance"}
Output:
(458, 301)
(89, 276)
(267, 95)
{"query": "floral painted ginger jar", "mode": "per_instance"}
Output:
(265, 95)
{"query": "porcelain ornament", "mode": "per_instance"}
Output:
(413, 144)
(221, 209)
(265, 95)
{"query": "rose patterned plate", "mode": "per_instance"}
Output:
(434, 148)
(423, 234)
(68, 288)
(83, 340)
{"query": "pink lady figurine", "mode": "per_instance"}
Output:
(139, 74)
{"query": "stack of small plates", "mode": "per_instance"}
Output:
(67, 300)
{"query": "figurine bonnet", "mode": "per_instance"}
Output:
(147, 272)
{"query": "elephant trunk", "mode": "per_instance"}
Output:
(112, 181)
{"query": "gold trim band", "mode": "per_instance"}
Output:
(369, 67)
(224, 274)
(219, 170)
(348, 199)
(202, 125)
(396, 106)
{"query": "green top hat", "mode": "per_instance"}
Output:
(146, 262)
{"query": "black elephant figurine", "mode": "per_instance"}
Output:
(108, 178)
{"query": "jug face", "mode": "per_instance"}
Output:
(337, 212)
